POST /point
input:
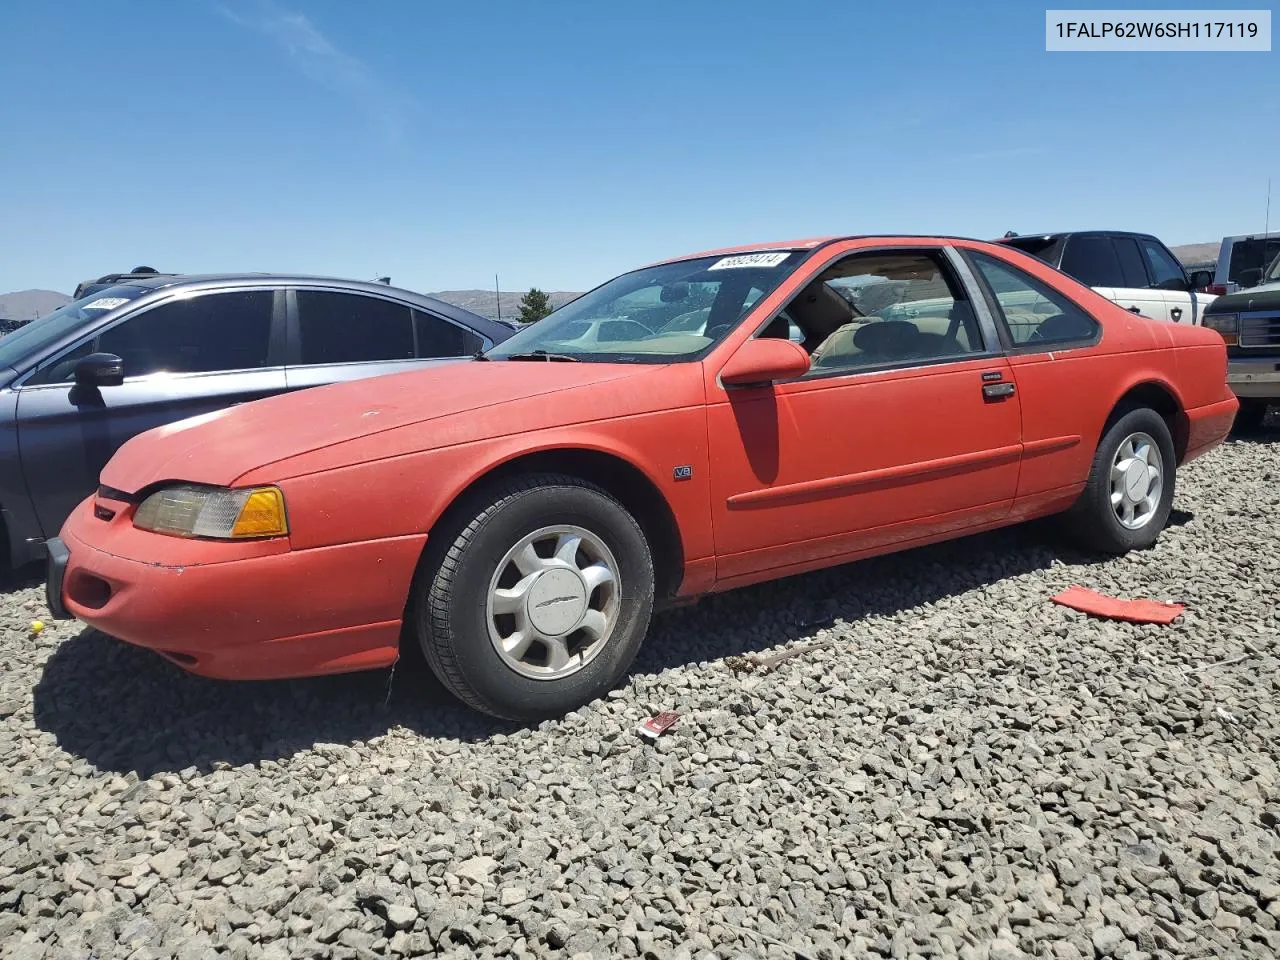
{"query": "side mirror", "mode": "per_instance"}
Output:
(763, 361)
(100, 370)
(1201, 279)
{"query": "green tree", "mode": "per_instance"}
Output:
(534, 305)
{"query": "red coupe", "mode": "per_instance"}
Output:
(689, 427)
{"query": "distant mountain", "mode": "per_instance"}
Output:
(29, 304)
(485, 303)
(1201, 255)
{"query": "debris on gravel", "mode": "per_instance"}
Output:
(959, 768)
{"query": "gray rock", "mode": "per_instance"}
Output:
(400, 917)
(476, 869)
(1107, 941)
(510, 896)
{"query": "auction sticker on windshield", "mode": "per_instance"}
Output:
(106, 303)
(750, 260)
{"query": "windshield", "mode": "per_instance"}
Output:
(1273, 271)
(33, 337)
(663, 314)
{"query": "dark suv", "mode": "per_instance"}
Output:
(1249, 321)
(150, 350)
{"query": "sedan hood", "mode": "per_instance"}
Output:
(1265, 296)
(218, 447)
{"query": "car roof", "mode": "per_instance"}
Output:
(1059, 234)
(491, 328)
(813, 243)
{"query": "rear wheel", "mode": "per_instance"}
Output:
(540, 600)
(1126, 501)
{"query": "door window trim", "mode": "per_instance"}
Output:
(1021, 349)
(993, 346)
(292, 351)
(275, 360)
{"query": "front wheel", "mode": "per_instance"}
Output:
(540, 601)
(1126, 501)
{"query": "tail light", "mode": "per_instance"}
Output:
(1217, 289)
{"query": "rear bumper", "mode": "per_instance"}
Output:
(1208, 426)
(290, 614)
(1254, 377)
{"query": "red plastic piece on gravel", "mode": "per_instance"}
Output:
(1135, 611)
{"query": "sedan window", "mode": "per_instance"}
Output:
(881, 309)
(1034, 313)
(440, 338)
(350, 328)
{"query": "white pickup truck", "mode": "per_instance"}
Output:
(1134, 270)
(1242, 261)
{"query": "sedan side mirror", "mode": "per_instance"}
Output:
(1201, 279)
(100, 370)
(762, 361)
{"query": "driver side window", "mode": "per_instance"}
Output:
(881, 309)
(204, 333)
(1035, 314)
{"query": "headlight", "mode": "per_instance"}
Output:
(186, 510)
(1227, 324)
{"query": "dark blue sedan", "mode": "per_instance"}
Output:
(79, 382)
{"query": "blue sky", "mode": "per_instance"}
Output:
(560, 143)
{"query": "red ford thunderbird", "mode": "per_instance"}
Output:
(689, 427)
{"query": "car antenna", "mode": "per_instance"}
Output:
(1266, 223)
(497, 295)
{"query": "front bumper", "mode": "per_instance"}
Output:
(1254, 377)
(57, 571)
(221, 611)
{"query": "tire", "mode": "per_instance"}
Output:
(1093, 521)
(1250, 416)
(460, 599)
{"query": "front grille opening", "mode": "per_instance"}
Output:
(89, 591)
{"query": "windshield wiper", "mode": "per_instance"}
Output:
(479, 355)
(542, 355)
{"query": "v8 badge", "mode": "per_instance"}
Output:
(683, 472)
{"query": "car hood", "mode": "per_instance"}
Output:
(218, 447)
(1266, 296)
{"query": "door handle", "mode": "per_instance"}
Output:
(995, 391)
(1176, 313)
(1134, 309)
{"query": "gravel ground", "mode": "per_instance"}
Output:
(967, 770)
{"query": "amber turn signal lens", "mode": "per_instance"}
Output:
(262, 515)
